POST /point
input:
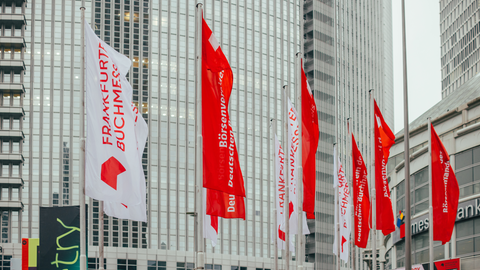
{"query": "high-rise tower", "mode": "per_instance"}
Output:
(12, 71)
(348, 51)
(460, 56)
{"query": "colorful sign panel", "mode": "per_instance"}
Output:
(29, 253)
(59, 238)
(451, 264)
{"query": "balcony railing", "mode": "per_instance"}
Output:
(11, 158)
(11, 205)
(15, 135)
(15, 42)
(15, 88)
(11, 181)
(9, 19)
(15, 65)
(12, 111)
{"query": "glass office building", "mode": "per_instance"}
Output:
(460, 56)
(259, 38)
(362, 60)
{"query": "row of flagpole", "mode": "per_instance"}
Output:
(200, 182)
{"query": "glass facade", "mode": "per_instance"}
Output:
(341, 78)
(467, 171)
(459, 28)
(259, 38)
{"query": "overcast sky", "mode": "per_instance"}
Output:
(423, 57)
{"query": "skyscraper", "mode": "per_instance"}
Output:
(259, 38)
(341, 78)
(459, 28)
(12, 71)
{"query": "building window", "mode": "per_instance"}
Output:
(467, 171)
(157, 265)
(213, 266)
(418, 194)
(123, 264)
(468, 237)
(93, 263)
(185, 266)
(5, 223)
(238, 268)
(5, 262)
(55, 199)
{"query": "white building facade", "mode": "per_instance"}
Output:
(456, 120)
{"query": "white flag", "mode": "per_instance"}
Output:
(122, 210)
(210, 223)
(280, 196)
(113, 166)
(294, 141)
(342, 210)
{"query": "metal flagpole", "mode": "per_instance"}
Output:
(372, 173)
(83, 229)
(406, 142)
(335, 162)
(287, 181)
(200, 259)
(300, 238)
(275, 230)
(337, 104)
(350, 166)
(102, 240)
(430, 197)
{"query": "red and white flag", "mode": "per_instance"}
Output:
(210, 223)
(113, 165)
(361, 198)
(225, 205)
(221, 167)
(342, 210)
(445, 191)
(384, 139)
(122, 210)
(294, 141)
(280, 195)
(280, 177)
(310, 135)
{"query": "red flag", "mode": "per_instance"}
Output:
(310, 136)
(445, 192)
(225, 205)
(384, 139)
(361, 197)
(221, 168)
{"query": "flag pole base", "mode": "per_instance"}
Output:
(83, 262)
(200, 261)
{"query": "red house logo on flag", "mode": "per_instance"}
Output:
(110, 171)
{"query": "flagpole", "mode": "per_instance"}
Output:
(199, 143)
(287, 182)
(101, 243)
(83, 229)
(301, 238)
(349, 165)
(372, 173)
(337, 228)
(430, 197)
(406, 143)
(275, 231)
